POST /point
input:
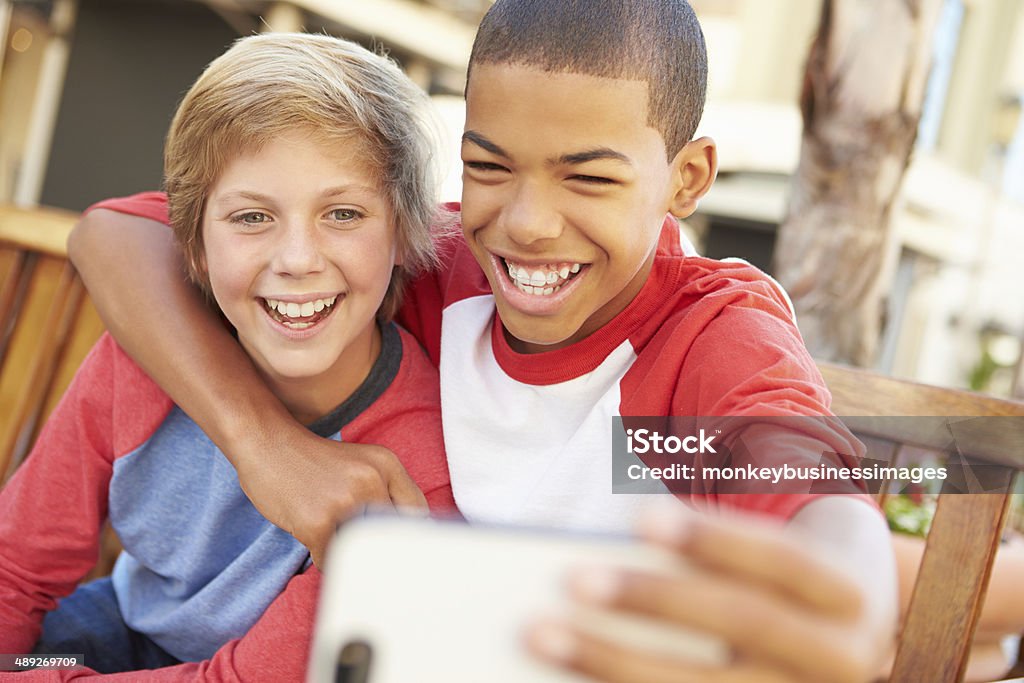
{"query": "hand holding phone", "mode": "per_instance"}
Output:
(413, 600)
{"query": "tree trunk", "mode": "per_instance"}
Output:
(863, 89)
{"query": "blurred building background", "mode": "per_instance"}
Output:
(87, 89)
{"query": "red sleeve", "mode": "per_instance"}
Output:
(53, 507)
(151, 205)
(420, 313)
(276, 648)
(424, 297)
(749, 360)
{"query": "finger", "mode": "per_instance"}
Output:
(405, 493)
(756, 624)
(402, 490)
(757, 551)
(562, 645)
(318, 553)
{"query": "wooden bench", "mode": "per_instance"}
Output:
(965, 533)
(47, 324)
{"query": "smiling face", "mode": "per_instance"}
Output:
(565, 189)
(299, 250)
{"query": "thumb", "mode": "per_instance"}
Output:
(318, 552)
(403, 490)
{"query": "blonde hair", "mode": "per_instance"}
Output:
(269, 84)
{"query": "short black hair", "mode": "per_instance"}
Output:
(656, 41)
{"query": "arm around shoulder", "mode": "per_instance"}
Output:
(135, 274)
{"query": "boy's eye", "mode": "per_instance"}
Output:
(250, 218)
(484, 166)
(593, 179)
(343, 215)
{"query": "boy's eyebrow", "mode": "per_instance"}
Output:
(342, 189)
(327, 193)
(598, 153)
(241, 194)
(595, 154)
(482, 142)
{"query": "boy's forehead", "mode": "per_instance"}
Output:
(518, 80)
(512, 100)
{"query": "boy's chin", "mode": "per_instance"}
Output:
(526, 334)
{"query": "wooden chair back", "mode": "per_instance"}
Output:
(47, 324)
(965, 532)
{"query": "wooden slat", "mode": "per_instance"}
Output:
(951, 586)
(42, 230)
(15, 374)
(859, 392)
(12, 296)
(986, 435)
(874, 405)
(53, 339)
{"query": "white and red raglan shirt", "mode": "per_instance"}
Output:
(528, 436)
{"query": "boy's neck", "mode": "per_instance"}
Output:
(310, 398)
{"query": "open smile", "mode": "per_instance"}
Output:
(296, 315)
(537, 289)
(541, 280)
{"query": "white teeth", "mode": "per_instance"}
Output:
(542, 281)
(300, 310)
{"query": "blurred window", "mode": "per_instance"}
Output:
(947, 37)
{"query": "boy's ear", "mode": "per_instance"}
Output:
(694, 169)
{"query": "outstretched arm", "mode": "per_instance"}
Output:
(299, 481)
(814, 600)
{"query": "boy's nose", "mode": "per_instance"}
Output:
(528, 217)
(298, 252)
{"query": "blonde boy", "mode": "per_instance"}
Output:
(299, 186)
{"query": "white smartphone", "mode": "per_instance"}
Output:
(419, 600)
